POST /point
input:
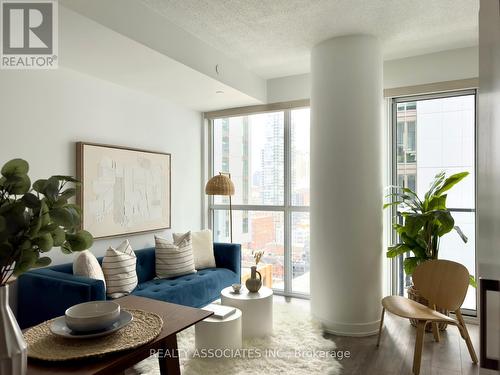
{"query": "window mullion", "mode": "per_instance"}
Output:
(288, 267)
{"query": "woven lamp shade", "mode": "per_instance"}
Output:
(219, 185)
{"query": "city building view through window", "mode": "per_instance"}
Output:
(267, 155)
(434, 135)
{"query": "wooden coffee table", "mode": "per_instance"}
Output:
(176, 318)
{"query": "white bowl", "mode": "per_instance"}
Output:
(92, 316)
(236, 287)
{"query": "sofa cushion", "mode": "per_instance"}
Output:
(196, 290)
(203, 248)
(174, 259)
(119, 268)
(86, 264)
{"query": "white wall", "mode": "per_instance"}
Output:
(434, 67)
(169, 39)
(289, 88)
(43, 114)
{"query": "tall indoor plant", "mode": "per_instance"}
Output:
(33, 219)
(425, 221)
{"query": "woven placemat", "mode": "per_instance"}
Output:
(44, 345)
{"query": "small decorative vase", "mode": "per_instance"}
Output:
(13, 348)
(253, 284)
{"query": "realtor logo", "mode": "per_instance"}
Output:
(29, 34)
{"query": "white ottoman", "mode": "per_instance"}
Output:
(213, 333)
(257, 310)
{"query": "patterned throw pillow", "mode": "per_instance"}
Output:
(174, 259)
(86, 264)
(119, 270)
(203, 248)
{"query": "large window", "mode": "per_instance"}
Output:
(267, 155)
(434, 134)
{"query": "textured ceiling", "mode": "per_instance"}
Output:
(274, 37)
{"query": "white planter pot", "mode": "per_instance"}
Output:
(13, 348)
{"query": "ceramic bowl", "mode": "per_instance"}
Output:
(92, 316)
(236, 287)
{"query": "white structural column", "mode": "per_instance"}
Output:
(346, 184)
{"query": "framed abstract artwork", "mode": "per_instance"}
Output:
(123, 190)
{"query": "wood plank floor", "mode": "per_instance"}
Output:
(395, 354)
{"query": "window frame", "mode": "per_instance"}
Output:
(287, 208)
(397, 273)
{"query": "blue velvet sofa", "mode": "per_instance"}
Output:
(46, 293)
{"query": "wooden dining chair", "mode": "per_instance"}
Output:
(443, 283)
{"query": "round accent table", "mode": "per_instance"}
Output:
(213, 333)
(257, 310)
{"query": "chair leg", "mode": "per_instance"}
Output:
(419, 343)
(381, 326)
(435, 331)
(465, 335)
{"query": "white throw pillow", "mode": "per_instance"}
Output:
(203, 248)
(118, 266)
(86, 264)
(174, 259)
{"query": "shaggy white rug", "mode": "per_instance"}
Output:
(296, 347)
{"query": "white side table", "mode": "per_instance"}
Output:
(257, 310)
(213, 333)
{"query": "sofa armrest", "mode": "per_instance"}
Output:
(44, 294)
(228, 255)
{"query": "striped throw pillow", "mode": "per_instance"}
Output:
(118, 266)
(174, 259)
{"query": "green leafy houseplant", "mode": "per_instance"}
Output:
(425, 221)
(34, 219)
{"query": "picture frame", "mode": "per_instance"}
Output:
(123, 190)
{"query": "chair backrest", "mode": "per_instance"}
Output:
(442, 282)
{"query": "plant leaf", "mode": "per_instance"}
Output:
(394, 251)
(438, 180)
(447, 222)
(39, 185)
(66, 194)
(391, 204)
(51, 189)
(35, 226)
(408, 239)
(451, 181)
(43, 262)
(66, 248)
(59, 236)
(62, 217)
(66, 178)
(44, 213)
(437, 203)
(44, 242)
(420, 252)
(461, 234)
(413, 223)
(15, 167)
(26, 261)
(31, 201)
(410, 264)
(17, 184)
(472, 281)
(82, 240)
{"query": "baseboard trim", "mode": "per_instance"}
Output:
(351, 329)
(350, 334)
